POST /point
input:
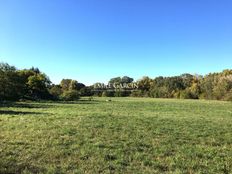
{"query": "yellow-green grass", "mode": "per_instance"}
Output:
(125, 135)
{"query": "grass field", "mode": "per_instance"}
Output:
(126, 135)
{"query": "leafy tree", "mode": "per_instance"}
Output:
(65, 84)
(56, 91)
(145, 83)
(187, 80)
(73, 85)
(228, 96)
(159, 92)
(80, 86)
(86, 91)
(222, 85)
(207, 86)
(116, 80)
(127, 79)
(10, 88)
(195, 90)
(33, 84)
(185, 94)
(38, 86)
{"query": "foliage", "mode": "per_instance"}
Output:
(38, 86)
(34, 85)
(145, 84)
(16, 84)
(121, 93)
(116, 80)
(71, 95)
(136, 93)
(108, 93)
(86, 91)
(127, 79)
(10, 89)
(56, 91)
(119, 80)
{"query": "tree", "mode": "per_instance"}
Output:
(65, 84)
(10, 86)
(207, 86)
(38, 86)
(159, 92)
(80, 86)
(116, 80)
(185, 94)
(222, 85)
(56, 91)
(228, 96)
(86, 91)
(187, 80)
(33, 84)
(145, 83)
(69, 84)
(195, 90)
(73, 85)
(127, 79)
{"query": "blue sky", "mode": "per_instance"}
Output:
(94, 40)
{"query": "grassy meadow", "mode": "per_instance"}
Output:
(125, 135)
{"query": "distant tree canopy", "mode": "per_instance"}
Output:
(119, 80)
(32, 84)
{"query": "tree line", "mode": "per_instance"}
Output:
(32, 84)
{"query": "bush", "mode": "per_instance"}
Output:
(136, 93)
(228, 97)
(159, 92)
(185, 94)
(56, 92)
(121, 93)
(70, 95)
(86, 91)
(97, 93)
(108, 94)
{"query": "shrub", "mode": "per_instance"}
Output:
(108, 94)
(185, 94)
(70, 95)
(136, 93)
(86, 91)
(121, 93)
(55, 91)
(228, 97)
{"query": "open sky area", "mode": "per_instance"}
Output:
(95, 40)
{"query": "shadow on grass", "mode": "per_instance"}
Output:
(12, 167)
(9, 112)
(78, 102)
(25, 105)
(43, 104)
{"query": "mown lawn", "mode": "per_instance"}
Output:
(126, 135)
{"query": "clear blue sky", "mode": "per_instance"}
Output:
(94, 40)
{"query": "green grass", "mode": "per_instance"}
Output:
(126, 135)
